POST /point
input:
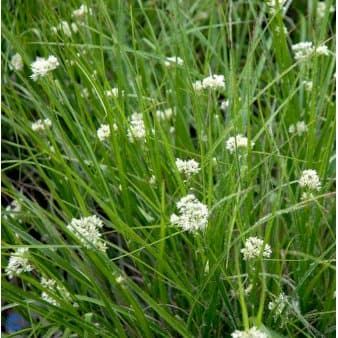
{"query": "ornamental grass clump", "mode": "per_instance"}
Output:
(168, 168)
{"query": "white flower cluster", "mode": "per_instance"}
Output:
(254, 247)
(251, 333)
(302, 49)
(137, 129)
(278, 305)
(282, 307)
(321, 9)
(173, 60)
(310, 180)
(237, 142)
(82, 12)
(41, 125)
(152, 179)
(87, 230)
(104, 131)
(224, 104)
(187, 168)
(307, 195)
(284, 29)
(213, 82)
(53, 287)
(193, 214)
(166, 114)
(308, 85)
(120, 279)
(114, 92)
(322, 50)
(305, 49)
(65, 28)
(299, 128)
(274, 5)
(16, 62)
(14, 206)
(84, 93)
(12, 210)
(42, 66)
(18, 263)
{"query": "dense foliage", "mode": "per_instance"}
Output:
(168, 168)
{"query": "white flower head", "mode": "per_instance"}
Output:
(137, 130)
(224, 105)
(274, 5)
(152, 180)
(282, 307)
(84, 93)
(16, 62)
(41, 125)
(206, 268)
(188, 167)
(53, 290)
(322, 50)
(166, 114)
(292, 129)
(82, 12)
(310, 180)
(193, 215)
(213, 82)
(42, 66)
(114, 92)
(299, 128)
(254, 247)
(278, 30)
(103, 132)
(308, 85)
(321, 9)
(18, 263)
(74, 26)
(65, 28)
(303, 50)
(87, 230)
(14, 206)
(198, 86)
(238, 142)
(251, 333)
(120, 279)
(279, 306)
(307, 196)
(50, 285)
(70, 62)
(173, 60)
